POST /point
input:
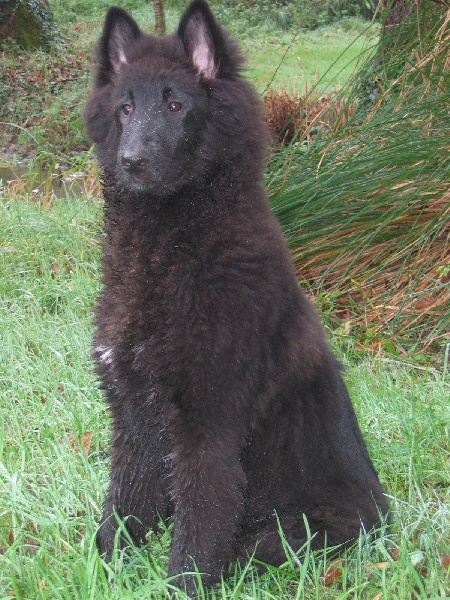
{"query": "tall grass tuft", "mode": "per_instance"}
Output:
(367, 208)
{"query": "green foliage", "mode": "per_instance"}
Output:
(289, 15)
(43, 98)
(69, 11)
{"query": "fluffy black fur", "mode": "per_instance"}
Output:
(228, 407)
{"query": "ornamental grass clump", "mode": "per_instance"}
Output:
(367, 208)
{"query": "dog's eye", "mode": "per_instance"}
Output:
(174, 106)
(126, 109)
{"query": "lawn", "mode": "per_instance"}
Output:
(54, 442)
(325, 57)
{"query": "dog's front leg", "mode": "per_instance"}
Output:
(208, 486)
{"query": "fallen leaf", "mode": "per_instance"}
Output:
(344, 314)
(395, 554)
(333, 572)
(446, 561)
(31, 545)
(87, 438)
(84, 441)
(56, 269)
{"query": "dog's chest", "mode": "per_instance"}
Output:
(160, 291)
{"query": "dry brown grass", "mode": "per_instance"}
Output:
(408, 292)
(292, 115)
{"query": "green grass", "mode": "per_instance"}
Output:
(326, 57)
(51, 494)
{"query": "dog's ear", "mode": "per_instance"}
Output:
(205, 42)
(119, 33)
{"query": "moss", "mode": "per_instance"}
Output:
(29, 22)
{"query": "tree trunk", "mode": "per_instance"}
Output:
(395, 14)
(407, 32)
(397, 11)
(160, 19)
(28, 22)
(405, 24)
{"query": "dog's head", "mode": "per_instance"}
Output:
(159, 107)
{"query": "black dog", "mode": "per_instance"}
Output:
(228, 407)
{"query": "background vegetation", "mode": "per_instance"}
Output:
(42, 93)
(358, 178)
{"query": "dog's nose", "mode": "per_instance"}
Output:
(134, 163)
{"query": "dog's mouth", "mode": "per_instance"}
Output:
(145, 181)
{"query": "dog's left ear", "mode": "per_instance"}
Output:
(206, 43)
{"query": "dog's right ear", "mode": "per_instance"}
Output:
(119, 34)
